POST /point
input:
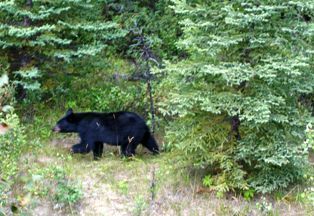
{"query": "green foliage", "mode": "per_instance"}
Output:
(153, 18)
(248, 194)
(52, 182)
(123, 187)
(265, 207)
(208, 181)
(248, 60)
(112, 97)
(38, 36)
(192, 135)
(140, 205)
(11, 145)
(56, 23)
(67, 193)
(309, 136)
(28, 79)
(307, 195)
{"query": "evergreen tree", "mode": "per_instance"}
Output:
(237, 93)
(36, 35)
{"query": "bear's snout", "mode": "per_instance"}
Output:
(56, 129)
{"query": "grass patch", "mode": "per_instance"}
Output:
(52, 178)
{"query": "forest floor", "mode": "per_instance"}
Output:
(144, 185)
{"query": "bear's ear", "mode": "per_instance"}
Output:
(69, 112)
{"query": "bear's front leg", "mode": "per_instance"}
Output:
(98, 149)
(80, 148)
(123, 149)
(127, 150)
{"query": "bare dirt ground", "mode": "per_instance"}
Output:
(115, 186)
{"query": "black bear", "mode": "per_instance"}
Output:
(125, 129)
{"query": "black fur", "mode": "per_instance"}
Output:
(125, 129)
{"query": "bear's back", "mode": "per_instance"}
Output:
(113, 119)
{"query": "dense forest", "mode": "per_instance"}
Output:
(226, 88)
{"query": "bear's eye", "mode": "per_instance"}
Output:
(70, 118)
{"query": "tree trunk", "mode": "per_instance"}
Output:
(151, 100)
(235, 124)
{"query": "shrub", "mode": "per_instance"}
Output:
(12, 144)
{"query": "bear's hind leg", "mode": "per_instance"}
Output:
(128, 149)
(98, 150)
(131, 147)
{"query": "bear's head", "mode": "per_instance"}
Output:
(67, 124)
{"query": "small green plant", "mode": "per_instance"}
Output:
(307, 195)
(208, 181)
(264, 206)
(248, 194)
(67, 192)
(279, 195)
(140, 205)
(123, 186)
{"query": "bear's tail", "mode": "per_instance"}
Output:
(150, 143)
